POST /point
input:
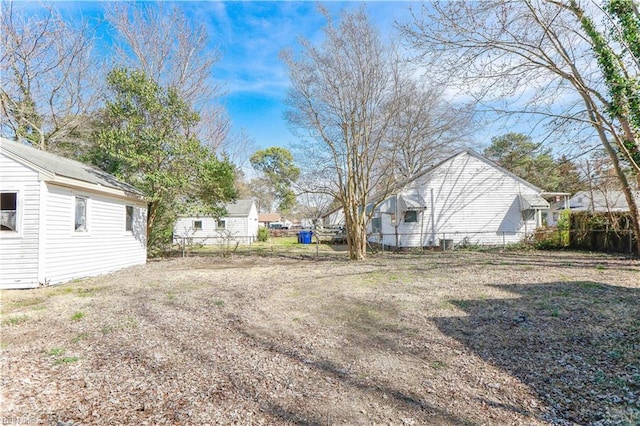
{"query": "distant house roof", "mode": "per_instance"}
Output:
(402, 184)
(57, 166)
(239, 208)
(269, 217)
(600, 201)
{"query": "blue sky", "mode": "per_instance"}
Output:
(250, 35)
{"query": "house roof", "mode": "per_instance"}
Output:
(269, 217)
(600, 201)
(402, 184)
(239, 208)
(56, 166)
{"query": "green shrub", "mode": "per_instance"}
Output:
(263, 234)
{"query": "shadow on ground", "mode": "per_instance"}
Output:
(575, 344)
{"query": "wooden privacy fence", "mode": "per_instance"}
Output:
(605, 232)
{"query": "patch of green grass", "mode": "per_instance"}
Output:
(445, 305)
(15, 320)
(20, 304)
(589, 285)
(67, 360)
(219, 303)
(77, 316)
(550, 308)
(79, 337)
(130, 322)
(438, 365)
(380, 278)
(295, 293)
(562, 293)
(601, 267)
(88, 291)
(463, 304)
(55, 352)
(60, 291)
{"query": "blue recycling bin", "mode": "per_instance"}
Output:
(304, 237)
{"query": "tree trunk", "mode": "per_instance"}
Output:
(615, 161)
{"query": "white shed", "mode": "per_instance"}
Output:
(464, 199)
(240, 224)
(62, 220)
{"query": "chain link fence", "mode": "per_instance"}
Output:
(332, 242)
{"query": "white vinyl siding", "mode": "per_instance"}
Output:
(472, 199)
(104, 248)
(19, 249)
(243, 229)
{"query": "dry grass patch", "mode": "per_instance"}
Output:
(442, 338)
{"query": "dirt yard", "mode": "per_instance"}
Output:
(462, 338)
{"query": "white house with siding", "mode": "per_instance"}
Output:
(61, 220)
(240, 224)
(464, 199)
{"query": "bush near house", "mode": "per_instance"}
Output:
(263, 234)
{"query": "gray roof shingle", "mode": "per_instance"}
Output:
(61, 166)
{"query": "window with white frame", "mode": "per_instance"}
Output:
(9, 211)
(128, 223)
(197, 225)
(80, 222)
(222, 224)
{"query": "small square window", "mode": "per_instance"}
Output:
(411, 216)
(8, 211)
(197, 225)
(128, 226)
(222, 224)
(80, 223)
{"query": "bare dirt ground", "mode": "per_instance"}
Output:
(460, 338)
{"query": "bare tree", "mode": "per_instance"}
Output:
(49, 77)
(174, 52)
(427, 129)
(527, 57)
(356, 109)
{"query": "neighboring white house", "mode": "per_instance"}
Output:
(62, 220)
(598, 200)
(240, 224)
(464, 199)
(334, 218)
